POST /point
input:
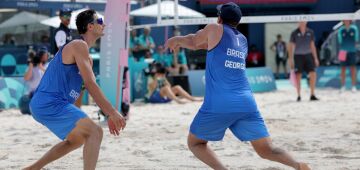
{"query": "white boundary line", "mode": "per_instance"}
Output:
(258, 19)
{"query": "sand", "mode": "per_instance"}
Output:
(326, 134)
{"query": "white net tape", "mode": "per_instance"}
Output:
(257, 19)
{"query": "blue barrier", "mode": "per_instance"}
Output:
(11, 90)
(13, 61)
(138, 80)
(330, 77)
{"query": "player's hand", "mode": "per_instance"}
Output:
(317, 63)
(116, 123)
(172, 45)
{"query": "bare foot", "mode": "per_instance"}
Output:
(180, 101)
(197, 99)
(303, 166)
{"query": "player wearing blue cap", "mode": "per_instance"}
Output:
(228, 102)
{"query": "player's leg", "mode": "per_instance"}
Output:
(266, 150)
(178, 90)
(167, 92)
(84, 132)
(252, 128)
(208, 127)
(203, 152)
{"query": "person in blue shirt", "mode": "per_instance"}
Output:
(133, 43)
(348, 36)
(228, 102)
(146, 42)
(53, 102)
(161, 57)
(179, 57)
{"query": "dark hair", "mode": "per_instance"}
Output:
(160, 69)
(36, 59)
(230, 13)
(278, 36)
(83, 19)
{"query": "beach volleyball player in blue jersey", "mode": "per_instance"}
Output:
(228, 102)
(53, 102)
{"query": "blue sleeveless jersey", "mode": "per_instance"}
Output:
(227, 88)
(61, 82)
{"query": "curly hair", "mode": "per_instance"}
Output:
(83, 19)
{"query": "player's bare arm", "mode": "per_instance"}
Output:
(200, 40)
(291, 48)
(79, 50)
(314, 53)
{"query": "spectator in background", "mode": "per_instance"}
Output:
(133, 43)
(148, 55)
(146, 42)
(348, 36)
(162, 58)
(44, 42)
(303, 57)
(160, 90)
(255, 57)
(9, 40)
(279, 47)
(180, 61)
(63, 33)
(37, 65)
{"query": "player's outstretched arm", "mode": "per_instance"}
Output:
(196, 41)
(80, 52)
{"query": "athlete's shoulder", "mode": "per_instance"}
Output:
(213, 27)
(76, 46)
(78, 43)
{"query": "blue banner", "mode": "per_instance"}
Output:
(261, 79)
(138, 79)
(11, 90)
(330, 77)
(13, 61)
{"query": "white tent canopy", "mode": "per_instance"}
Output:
(55, 21)
(23, 18)
(167, 10)
(23, 22)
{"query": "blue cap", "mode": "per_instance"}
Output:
(229, 12)
(65, 11)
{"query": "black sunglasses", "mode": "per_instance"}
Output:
(99, 21)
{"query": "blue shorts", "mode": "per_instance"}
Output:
(59, 118)
(350, 59)
(212, 126)
(157, 98)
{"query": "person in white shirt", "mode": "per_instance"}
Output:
(36, 69)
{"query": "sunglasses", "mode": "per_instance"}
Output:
(99, 21)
